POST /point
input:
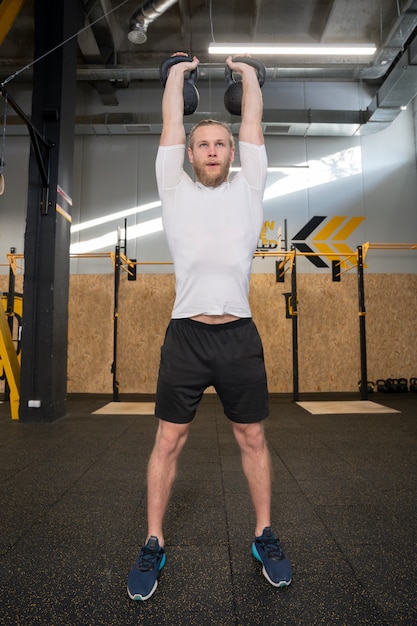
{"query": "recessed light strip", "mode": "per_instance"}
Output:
(289, 50)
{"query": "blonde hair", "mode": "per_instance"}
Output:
(211, 123)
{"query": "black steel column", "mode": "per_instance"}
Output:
(47, 238)
(294, 318)
(362, 326)
(117, 265)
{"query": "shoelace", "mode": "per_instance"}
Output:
(272, 548)
(147, 559)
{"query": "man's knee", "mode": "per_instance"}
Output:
(250, 436)
(170, 438)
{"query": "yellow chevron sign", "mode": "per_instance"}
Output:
(337, 231)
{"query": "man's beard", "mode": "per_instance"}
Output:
(212, 179)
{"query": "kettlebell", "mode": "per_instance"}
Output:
(370, 385)
(403, 385)
(233, 95)
(392, 385)
(191, 95)
(381, 386)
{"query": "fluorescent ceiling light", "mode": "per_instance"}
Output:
(289, 50)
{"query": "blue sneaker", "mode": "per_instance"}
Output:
(276, 567)
(143, 577)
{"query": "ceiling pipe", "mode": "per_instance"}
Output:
(145, 15)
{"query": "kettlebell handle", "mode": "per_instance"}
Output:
(191, 95)
(258, 65)
(169, 62)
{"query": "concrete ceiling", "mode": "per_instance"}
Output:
(106, 55)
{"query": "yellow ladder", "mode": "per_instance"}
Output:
(10, 363)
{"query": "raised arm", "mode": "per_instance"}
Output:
(173, 131)
(252, 104)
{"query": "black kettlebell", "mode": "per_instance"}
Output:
(403, 385)
(381, 386)
(370, 386)
(191, 95)
(233, 95)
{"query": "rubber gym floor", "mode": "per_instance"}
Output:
(73, 511)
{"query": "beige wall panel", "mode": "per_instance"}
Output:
(328, 334)
(145, 311)
(328, 329)
(4, 283)
(391, 323)
(268, 310)
(90, 333)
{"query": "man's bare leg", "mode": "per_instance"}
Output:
(162, 469)
(256, 463)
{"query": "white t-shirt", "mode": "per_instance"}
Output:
(212, 233)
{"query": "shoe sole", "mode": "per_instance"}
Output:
(281, 583)
(138, 597)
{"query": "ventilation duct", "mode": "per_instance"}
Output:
(145, 15)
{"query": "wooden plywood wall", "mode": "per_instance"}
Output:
(328, 330)
(90, 333)
(391, 325)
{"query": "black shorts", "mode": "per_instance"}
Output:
(227, 356)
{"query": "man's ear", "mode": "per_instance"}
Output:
(190, 154)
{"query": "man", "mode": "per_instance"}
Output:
(212, 227)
